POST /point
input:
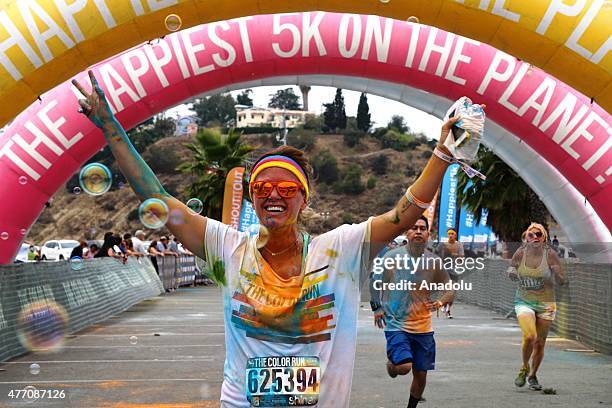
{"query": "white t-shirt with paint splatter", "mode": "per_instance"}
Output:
(290, 342)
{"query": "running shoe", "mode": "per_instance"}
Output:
(521, 377)
(534, 385)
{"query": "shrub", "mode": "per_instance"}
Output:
(162, 159)
(133, 215)
(398, 123)
(347, 218)
(378, 133)
(350, 182)
(421, 137)
(414, 144)
(380, 164)
(326, 167)
(303, 139)
(397, 141)
(253, 130)
(313, 122)
(371, 182)
(426, 154)
(352, 137)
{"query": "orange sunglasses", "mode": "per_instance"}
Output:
(286, 189)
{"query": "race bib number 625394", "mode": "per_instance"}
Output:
(283, 381)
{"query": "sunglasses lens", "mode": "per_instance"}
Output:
(262, 189)
(538, 234)
(287, 189)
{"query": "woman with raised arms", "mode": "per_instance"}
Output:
(290, 302)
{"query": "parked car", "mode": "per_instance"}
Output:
(57, 250)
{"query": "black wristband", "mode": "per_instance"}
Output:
(375, 306)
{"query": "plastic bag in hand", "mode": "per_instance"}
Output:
(464, 139)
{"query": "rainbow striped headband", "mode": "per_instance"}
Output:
(283, 162)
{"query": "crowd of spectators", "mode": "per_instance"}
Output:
(116, 246)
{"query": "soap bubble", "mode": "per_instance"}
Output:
(195, 205)
(76, 263)
(95, 179)
(153, 213)
(34, 369)
(413, 19)
(42, 326)
(76, 190)
(23, 180)
(4, 235)
(173, 22)
(133, 340)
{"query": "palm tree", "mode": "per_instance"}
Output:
(214, 155)
(511, 202)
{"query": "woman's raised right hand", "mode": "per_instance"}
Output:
(94, 106)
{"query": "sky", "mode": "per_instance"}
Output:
(381, 109)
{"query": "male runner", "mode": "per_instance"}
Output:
(451, 249)
(405, 314)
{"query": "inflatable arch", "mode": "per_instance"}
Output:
(553, 136)
(44, 42)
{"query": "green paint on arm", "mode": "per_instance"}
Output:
(394, 218)
(137, 172)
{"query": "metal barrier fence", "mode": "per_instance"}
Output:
(583, 305)
(178, 271)
(54, 299)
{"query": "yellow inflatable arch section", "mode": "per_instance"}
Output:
(44, 42)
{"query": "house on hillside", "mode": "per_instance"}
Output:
(264, 117)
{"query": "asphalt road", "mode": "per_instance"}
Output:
(176, 360)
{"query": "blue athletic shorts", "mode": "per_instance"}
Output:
(416, 348)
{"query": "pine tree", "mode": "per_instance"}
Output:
(340, 110)
(363, 114)
(335, 114)
(329, 117)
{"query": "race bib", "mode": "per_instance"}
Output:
(283, 381)
(532, 283)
